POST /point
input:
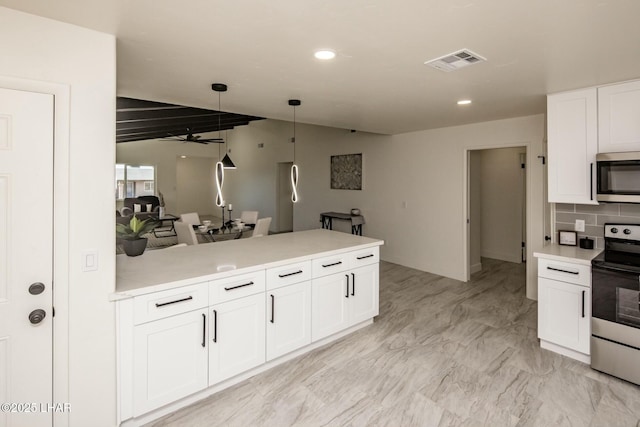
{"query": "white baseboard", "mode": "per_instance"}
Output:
(476, 268)
(509, 257)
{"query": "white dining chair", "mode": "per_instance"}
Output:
(190, 218)
(249, 217)
(185, 233)
(262, 227)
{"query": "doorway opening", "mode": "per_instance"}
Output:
(496, 206)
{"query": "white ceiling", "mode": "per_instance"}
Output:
(171, 51)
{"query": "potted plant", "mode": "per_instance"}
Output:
(131, 234)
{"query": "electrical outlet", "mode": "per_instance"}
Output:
(579, 225)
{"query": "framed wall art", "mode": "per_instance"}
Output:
(567, 238)
(346, 172)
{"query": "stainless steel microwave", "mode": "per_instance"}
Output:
(618, 177)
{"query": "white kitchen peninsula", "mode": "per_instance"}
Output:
(197, 319)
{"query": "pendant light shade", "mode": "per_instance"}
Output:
(294, 167)
(227, 163)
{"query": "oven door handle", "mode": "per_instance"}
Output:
(609, 268)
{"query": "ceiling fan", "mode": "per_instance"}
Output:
(190, 137)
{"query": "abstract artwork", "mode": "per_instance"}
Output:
(346, 172)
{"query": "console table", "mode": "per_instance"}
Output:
(356, 221)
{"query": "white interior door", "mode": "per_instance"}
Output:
(26, 256)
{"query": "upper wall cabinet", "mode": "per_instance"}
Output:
(572, 146)
(619, 117)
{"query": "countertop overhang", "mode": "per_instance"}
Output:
(568, 253)
(162, 269)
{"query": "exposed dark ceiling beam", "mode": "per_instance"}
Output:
(138, 119)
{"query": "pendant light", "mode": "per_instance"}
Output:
(294, 168)
(226, 160)
(219, 87)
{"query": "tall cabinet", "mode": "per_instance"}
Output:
(572, 145)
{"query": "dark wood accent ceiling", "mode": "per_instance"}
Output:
(137, 120)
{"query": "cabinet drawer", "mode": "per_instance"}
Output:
(565, 271)
(230, 288)
(330, 264)
(365, 257)
(159, 305)
(288, 274)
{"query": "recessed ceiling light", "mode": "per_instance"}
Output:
(464, 102)
(325, 54)
(183, 157)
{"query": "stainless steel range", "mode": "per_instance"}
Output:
(615, 303)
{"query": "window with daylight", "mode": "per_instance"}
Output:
(134, 181)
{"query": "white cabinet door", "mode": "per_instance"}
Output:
(288, 319)
(572, 146)
(329, 303)
(170, 360)
(619, 117)
(564, 314)
(236, 337)
(363, 297)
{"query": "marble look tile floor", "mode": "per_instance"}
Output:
(441, 353)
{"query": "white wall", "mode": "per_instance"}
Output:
(39, 49)
(196, 190)
(502, 203)
(164, 155)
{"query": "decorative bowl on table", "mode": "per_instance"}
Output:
(202, 228)
(206, 223)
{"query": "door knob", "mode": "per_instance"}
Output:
(36, 288)
(37, 316)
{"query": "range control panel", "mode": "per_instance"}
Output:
(622, 231)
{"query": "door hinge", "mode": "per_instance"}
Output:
(53, 312)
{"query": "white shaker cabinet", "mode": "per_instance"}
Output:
(329, 299)
(236, 333)
(169, 360)
(564, 307)
(619, 117)
(237, 337)
(343, 299)
(572, 146)
(288, 319)
(363, 297)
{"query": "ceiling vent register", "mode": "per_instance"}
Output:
(456, 60)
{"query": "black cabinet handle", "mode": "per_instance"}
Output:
(366, 256)
(239, 286)
(204, 329)
(215, 326)
(273, 306)
(591, 182)
(162, 304)
(583, 294)
(353, 284)
(347, 294)
(331, 265)
(290, 274)
(563, 271)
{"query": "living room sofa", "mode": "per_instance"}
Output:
(142, 207)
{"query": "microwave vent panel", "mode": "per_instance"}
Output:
(456, 60)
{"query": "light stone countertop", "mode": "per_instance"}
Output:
(162, 269)
(573, 254)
